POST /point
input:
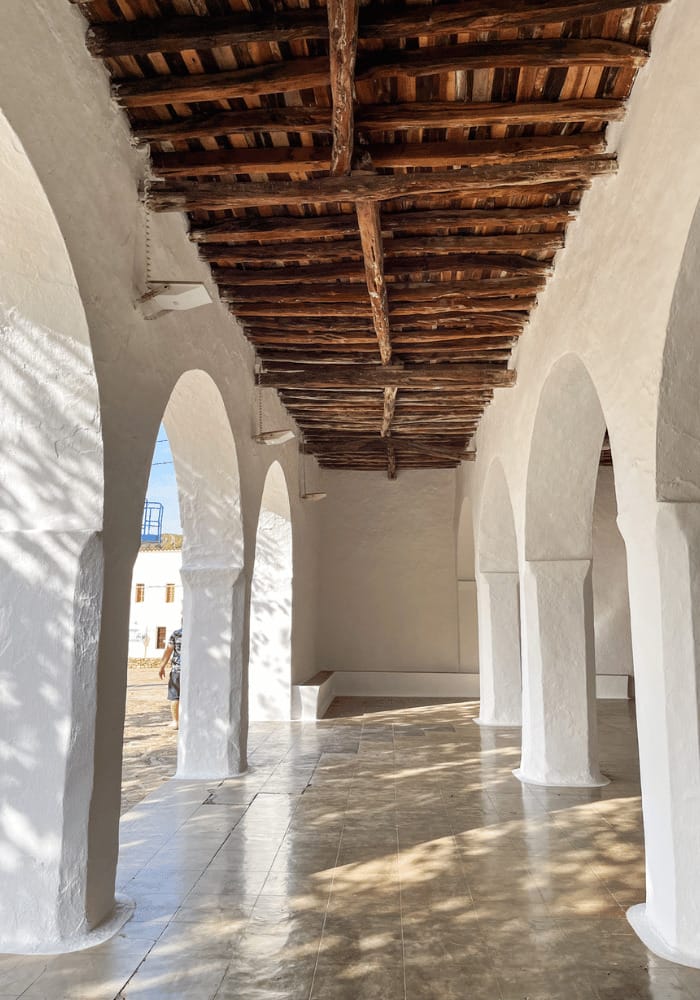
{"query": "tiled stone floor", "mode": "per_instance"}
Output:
(384, 853)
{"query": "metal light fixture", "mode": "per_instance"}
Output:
(304, 492)
(279, 436)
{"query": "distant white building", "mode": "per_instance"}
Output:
(156, 597)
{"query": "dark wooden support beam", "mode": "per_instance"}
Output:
(415, 246)
(369, 222)
(499, 55)
(425, 291)
(178, 34)
(390, 460)
(215, 196)
(383, 117)
(380, 376)
(285, 229)
(389, 408)
(342, 47)
(252, 81)
(345, 309)
(296, 159)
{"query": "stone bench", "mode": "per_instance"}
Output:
(313, 696)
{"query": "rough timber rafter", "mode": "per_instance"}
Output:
(178, 34)
(383, 117)
(342, 46)
(350, 376)
(212, 197)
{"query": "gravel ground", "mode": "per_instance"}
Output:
(150, 746)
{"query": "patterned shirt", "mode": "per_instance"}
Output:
(175, 641)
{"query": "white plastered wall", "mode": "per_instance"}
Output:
(387, 586)
(57, 100)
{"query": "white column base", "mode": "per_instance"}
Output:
(649, 936)
(498, 723)
(594, 781)
(123, 910)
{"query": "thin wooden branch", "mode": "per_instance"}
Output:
(213, 196)
(342, 46)
(431, 376)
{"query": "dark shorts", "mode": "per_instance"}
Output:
(174, 685)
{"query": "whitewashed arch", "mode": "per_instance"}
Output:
(51, 568)
(213, 720)
(270, 659)
(497, 545)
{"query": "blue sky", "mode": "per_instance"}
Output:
(162, 487)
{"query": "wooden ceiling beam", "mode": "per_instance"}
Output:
(369, 222)
(342, 48)
(389, 375)
(216, 196)
(431, 291)
(178, 34)
(334, 309)
(253, 81)
(291, 229)
(300, 159)
(409, 246)
(383, 117)
(552, 52)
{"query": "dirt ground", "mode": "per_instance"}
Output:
(150, 746)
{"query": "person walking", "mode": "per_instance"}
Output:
(172, 656)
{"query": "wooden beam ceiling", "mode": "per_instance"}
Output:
(381, 191)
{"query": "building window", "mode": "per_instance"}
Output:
(169, 593)
(140, 592)
(160, 637)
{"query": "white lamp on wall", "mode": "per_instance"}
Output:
(279, 436)
(304, 492)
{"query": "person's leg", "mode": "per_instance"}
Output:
(174, 697)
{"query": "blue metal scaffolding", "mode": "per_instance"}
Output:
(152, 526)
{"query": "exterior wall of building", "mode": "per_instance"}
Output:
(154, 570)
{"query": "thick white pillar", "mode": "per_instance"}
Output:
(560, 738)
(213, 706)
(663, 551)
(499, 649)
(50, 603)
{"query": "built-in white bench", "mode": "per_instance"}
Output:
(312, 697)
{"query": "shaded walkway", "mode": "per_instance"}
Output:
(385, 852)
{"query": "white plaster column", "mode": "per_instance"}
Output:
(499, 649)
(663, 551)
(213, 715)
(50, 603)
(560, 738)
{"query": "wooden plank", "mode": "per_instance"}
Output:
(342, 48)
(178, 34)
(286, 229)
(331, 376)
(214, 196)
(383, 117)
(296, 159)
(369, 222)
